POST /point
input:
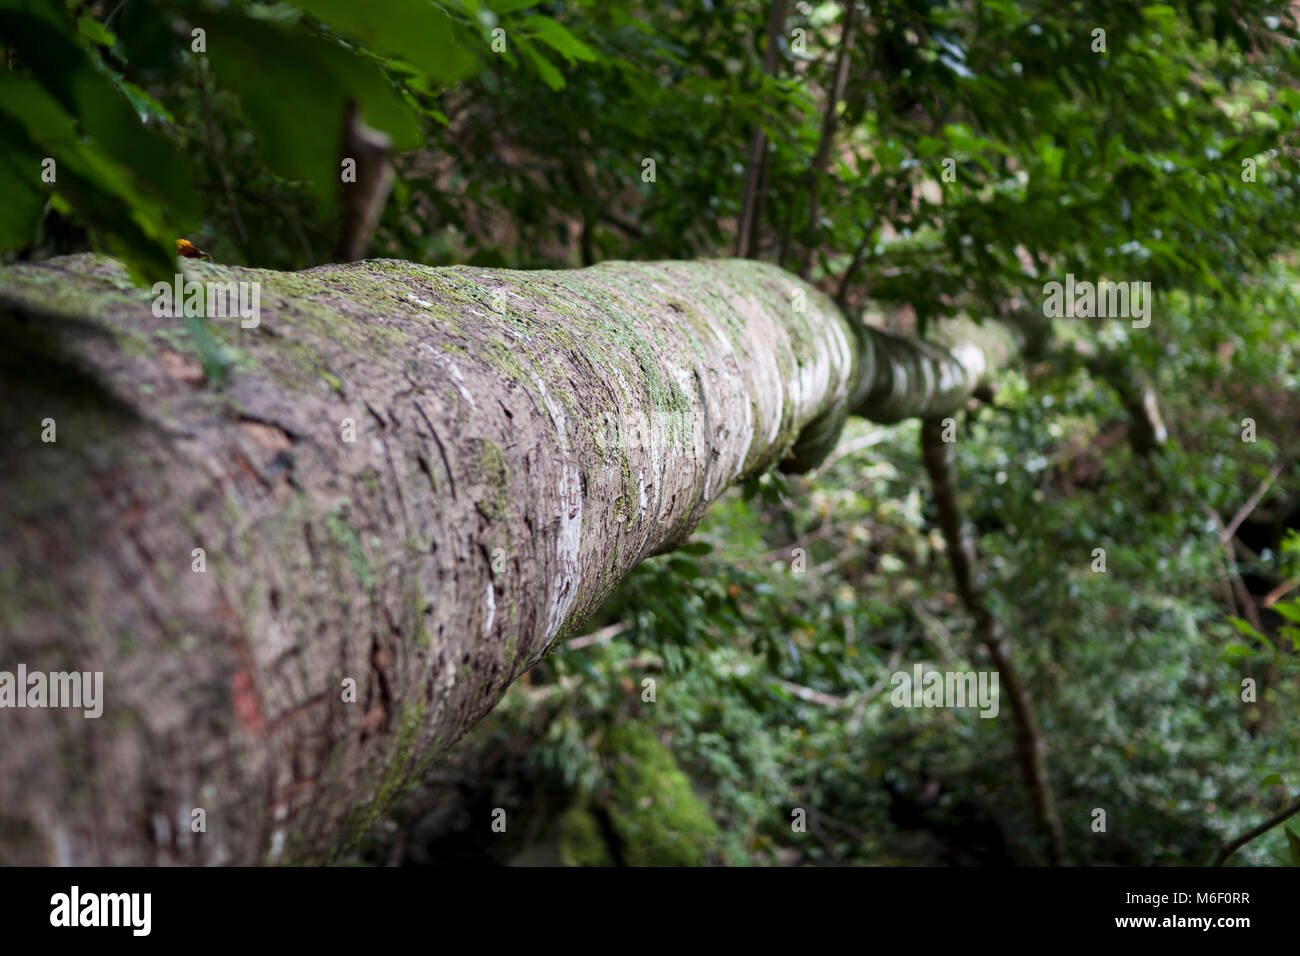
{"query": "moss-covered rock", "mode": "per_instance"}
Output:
(658, 819)
(581, 841)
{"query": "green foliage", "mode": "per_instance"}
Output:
(131, 109)
(125, 183)
(1127, 162)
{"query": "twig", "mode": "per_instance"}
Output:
(942, 636)
(848, 448)
(854, 723)
(1235, 583)
(1278, 592)
(811, 696)
(1226, 534)
(598, 637)
(631, 228)
(1232, 846)
(1229, 589)
(846, 281)
(857, 700)
(821, 531)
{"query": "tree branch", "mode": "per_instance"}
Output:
(961, 556)
(830, 122)
(1232, 846)
(751, 208)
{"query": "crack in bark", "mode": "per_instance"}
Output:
(451, 478)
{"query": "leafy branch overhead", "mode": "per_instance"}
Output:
(78, 96)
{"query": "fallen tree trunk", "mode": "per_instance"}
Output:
(303, 586)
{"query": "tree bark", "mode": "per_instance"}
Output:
(415, 479)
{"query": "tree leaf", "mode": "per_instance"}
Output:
(558, 38)
(549, 74)
(300, 127)
(1293, 841)
(415, 30)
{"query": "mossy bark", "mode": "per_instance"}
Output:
(519, 442)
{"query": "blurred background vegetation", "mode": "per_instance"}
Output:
(1166, 154)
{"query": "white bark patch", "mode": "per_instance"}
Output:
(746, 441)
(277, 844)
(771, 392)
(564, 588)
(658, 456)
(929, 381)
(972, 360)
(828, 374)
(685, 379)
(456, 375)
(902, 384)
(458, 379)
(731, 413)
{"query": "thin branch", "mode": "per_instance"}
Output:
(1237, 585)
(816, 534)
(751, 205)
(857, 700)
(811, 696)
(1279, 592)
(295, 226)
(755, 240)
(629, 227)
(852, 447)
(830, 122)
(846, 281)
(578, 180)
(1226, 534)
(1232, 846)
(961, 556)
(861, 700)
(942, 636)
(1229, 589)
(293, 221)
(1147, 433)
(602, 636)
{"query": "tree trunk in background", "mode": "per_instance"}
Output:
(962, 557)
(830, 122)
(750, 226)
(520, 442)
